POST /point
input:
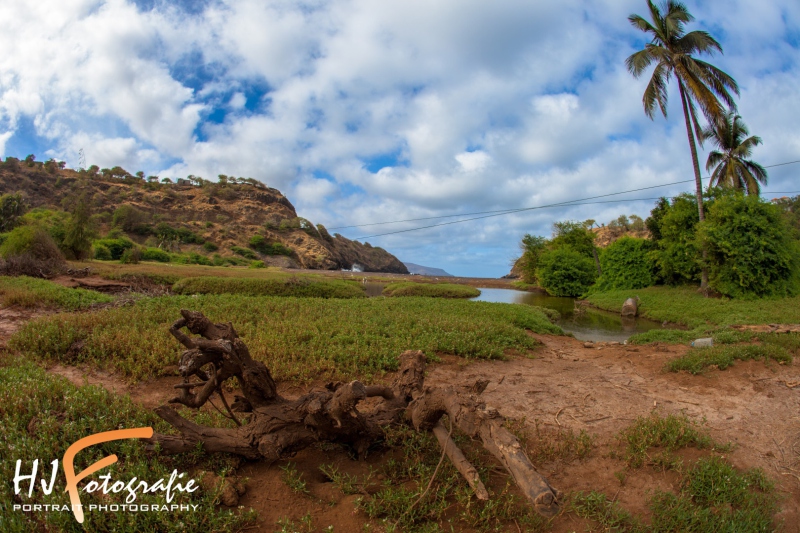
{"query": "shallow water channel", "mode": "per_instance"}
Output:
(591, 324)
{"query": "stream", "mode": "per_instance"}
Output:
(589, 325)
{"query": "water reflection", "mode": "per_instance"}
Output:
(585, 324)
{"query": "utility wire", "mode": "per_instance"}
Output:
(508, 211)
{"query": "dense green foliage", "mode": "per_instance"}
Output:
(116, 247)
(24, 291)
(750, 249)
(298, 338)
(247, 253)
(261, 245)
(573, 235)
(565, 272)
(676, 254)
(625, 265)
(155, 254)
(532, 248)
(30, 240)
(434, 290)
(78, 233)
(42, 415)
(12, 206)
(279, 286)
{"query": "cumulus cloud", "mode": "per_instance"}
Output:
(366, 111)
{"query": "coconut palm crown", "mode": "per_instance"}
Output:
(730, 163)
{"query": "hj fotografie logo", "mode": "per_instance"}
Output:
(133, 487)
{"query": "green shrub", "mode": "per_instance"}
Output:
(12, 206)
(565, 272)
(117, 246)
(257, 264)
(131, 256)
(532, 248)
(101, 252)
(432, 290)
(129, 218)
(30, 240)
(673, 227)
(574, 235)
(244, 252)
(209, 246)
(193, 259)
(626, 265)
(750, 249)
(155, 254)
(261, 245)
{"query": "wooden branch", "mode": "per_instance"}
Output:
(460, 462)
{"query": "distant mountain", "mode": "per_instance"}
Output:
(425, 271)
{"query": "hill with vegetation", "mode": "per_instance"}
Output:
(192, 220)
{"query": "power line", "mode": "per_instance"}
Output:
(509, 211)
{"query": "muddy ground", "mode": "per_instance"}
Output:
(600, 389)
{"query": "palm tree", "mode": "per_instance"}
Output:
(699, 83)
(731, 167)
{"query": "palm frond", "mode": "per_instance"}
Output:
(639, 61)
(641, 23)
(699, 42)
(656, 91)
(716, 79)
(699, 92)
(714, 159)
(675, 18)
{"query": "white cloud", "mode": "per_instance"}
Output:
(485, 105)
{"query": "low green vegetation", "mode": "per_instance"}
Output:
(304, 287)
(298, 338)
(712, 494)
(433, 290)
(29, 292)
(625, 265)
(42, 415)
(669, 433)
(721, 357)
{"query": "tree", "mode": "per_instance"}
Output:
(699, 83)
(731, 168)
(12, 206)
(533, 247)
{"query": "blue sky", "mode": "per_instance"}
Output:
(364, 112)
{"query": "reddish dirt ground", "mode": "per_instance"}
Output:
(565, 385)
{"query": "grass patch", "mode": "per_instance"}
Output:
(543, 444)
(721, 357)
(28, 292)
(684, 305)
(450, 503)
(303, 287)
(299, 339)
(430, 290)
(670, 433)
(42, 415)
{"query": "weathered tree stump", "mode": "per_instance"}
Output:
(277, 427)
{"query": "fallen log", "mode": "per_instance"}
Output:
(276, 427)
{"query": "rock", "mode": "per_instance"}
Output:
(630, 307)
(588, 345)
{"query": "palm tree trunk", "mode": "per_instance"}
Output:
(697, 179)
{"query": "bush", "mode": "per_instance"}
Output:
(574, 235)
(129, 218)
(131, 256)
(532, 248)
(244, 252)
(673, 227)
(257, 264)
(565, 272)
(116, 247)
(625, 265)
(209, 246)
(101, 252)
(261, 245)
(30, 250)
(12, 206)
(155, 254)
(750, 249)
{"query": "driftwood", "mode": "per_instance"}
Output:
(273, 427)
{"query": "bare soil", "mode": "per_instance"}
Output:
(566, 385)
